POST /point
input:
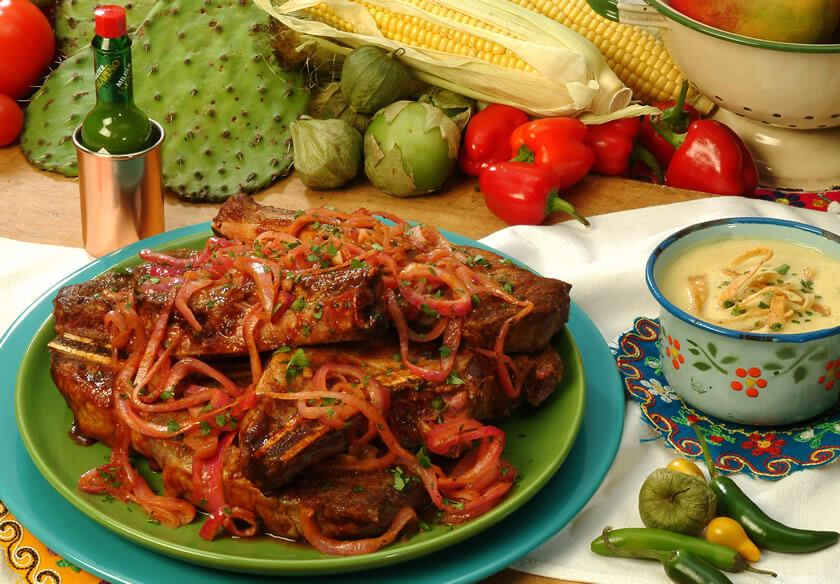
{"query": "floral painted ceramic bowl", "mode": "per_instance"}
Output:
(759, 378)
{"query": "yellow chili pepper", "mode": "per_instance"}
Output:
(726, 531)
(686, 467)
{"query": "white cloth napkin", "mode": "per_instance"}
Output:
(29, 269)
(605, 265)
(26, 271)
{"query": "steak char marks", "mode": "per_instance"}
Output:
(277, 443)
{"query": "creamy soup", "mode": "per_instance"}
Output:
(763, 286)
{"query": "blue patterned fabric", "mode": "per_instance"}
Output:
(761, 451)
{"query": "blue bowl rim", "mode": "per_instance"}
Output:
(712, 328)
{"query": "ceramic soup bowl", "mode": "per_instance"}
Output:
(746, 377)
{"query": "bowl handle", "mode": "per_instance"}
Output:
(636, 12)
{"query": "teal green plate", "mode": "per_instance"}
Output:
(538, 441)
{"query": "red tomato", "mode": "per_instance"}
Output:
(11, 120)
(27, 46)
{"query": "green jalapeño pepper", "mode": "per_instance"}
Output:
(684, 567)
(765, 532)
(651, 543)
(681, 565)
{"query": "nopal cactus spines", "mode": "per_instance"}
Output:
(201, 70)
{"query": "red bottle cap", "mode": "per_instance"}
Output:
(110, 21)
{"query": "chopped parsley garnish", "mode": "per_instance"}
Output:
(429, 311)
(400, 479)
(298, 362)
(423, 458)
(453, 379)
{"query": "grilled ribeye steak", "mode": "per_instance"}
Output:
(349, 504)
(393, 348)
(277, 442)
(242, 219)
(334, 305)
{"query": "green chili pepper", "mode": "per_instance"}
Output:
(638, 542)
(764, 531)
(684, 567)
(681, 566)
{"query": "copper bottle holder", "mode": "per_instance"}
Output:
(121, 195)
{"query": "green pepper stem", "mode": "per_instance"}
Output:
(707, 455)
(749, 568)
(673, 138)
(555, 203)
(645, 156)
(524, 154)
(675, 117)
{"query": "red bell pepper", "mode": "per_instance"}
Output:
(486, 137)
(710, 157)
(676, 116)
(555, 143)
(614, 145)
(522, 193)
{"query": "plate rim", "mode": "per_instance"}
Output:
(287, 566)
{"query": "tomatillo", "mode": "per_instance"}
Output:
(410, 148)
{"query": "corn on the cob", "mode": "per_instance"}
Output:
(639, 59)
(494, 50)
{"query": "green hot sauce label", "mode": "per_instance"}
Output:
(113, 76)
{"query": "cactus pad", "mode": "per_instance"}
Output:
(74, 26)
(202, 69)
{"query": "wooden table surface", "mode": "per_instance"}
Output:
(43, 207)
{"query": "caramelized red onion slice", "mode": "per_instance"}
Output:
(328, 545)
(182, 298)
(144, 373)
(192, 365)
(235, 520)
(249, 334)
(459, 306)
(371, 413)
(121, 481)
(266, 275)
(451, 340)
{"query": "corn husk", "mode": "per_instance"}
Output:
(570, 77)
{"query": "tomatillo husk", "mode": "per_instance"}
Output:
(454, 105)
(328, 103)
(327, 153)
(371, 78)
(676, 501)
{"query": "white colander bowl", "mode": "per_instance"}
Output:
(787, 85)
(783, 99)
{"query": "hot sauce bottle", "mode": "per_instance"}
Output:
(115, 125)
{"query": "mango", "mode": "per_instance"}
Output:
(789, 21)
